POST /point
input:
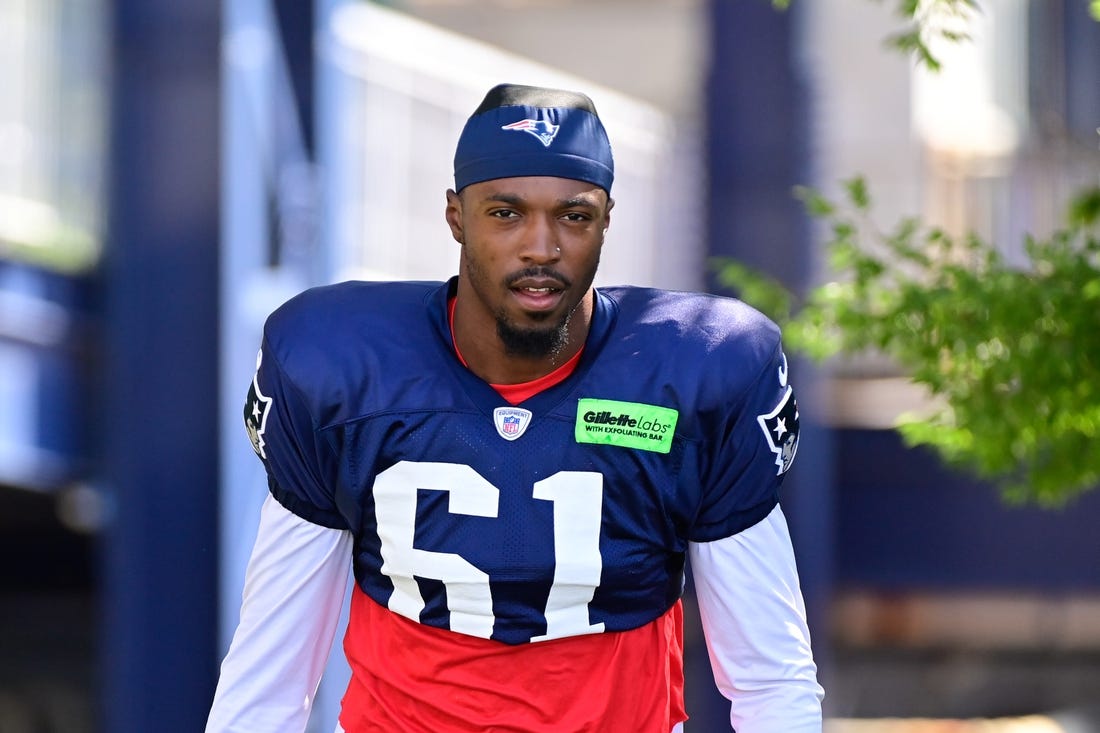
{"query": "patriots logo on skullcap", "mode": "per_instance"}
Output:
(780, 428)
(511, 422)
(541, 129)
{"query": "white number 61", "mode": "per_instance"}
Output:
(577, 497)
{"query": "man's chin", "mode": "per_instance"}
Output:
(532, 342)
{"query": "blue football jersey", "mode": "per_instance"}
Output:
(566, 514)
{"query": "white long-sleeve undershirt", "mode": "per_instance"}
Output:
(293, 595)
(754, 620)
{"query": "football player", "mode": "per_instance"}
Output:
(518, 467)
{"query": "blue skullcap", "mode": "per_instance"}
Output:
(531, 131)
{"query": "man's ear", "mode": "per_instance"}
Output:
(607, 214)
(453, 215)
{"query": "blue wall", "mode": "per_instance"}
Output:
(906, 522)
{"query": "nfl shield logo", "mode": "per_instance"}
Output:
(511, 422)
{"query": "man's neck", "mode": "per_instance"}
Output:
(484, 354)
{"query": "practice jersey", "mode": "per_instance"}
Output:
(567, 514)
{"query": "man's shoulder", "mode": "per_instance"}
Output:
(711, 321)
(333, 324)
(709, 349)
(351, 301)
(332, 312)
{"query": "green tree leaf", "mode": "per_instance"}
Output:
(1011, 354)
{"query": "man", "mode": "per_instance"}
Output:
(518, 466)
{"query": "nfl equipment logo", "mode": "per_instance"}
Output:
(511, 422)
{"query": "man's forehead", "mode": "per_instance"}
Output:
(530, 188)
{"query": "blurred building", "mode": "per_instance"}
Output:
(53, 155)
(171, 171)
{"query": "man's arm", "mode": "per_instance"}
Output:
(293, 594)
(754, 620)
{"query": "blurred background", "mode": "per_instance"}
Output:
(171, 171)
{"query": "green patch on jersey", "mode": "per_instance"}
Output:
(625, 424)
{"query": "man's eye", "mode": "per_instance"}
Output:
(576, 216)
(503, 214)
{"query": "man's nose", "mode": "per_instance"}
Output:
(541, 242)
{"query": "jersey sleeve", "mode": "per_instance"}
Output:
(301, 466)
(750, 449)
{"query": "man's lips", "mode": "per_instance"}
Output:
(537, 293)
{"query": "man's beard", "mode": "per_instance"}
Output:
(533, 343)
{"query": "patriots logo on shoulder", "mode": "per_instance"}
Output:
(256, 408)
(511, 422)
(543, 130)
(780, 428)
